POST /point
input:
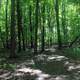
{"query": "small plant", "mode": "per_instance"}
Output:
(4, 64)
(73, 52)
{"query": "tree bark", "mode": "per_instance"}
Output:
(36, 27)
(43, 29)
(58, 26)
(13, 30)
(31, 32)
(6, 25)
(20, 26)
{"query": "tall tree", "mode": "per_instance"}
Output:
(57, 21)
(36, 26)
(31, 30)
(20, 26)
(49, 24)
(6, 24)
(1, 37)
(43, 29)
(13, 29)
(64, 20)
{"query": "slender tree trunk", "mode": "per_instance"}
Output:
(6, 24)
(23, 39)
(31, 37)
(13, 30)
(36, 27)
(58, 26)
(43, 29)
(20, 26)
(1, 37)
(64, 20)
(49, 26)
(74, 41)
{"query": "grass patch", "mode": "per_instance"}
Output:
(73, 53)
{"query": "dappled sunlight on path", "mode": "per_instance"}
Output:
(44, 67)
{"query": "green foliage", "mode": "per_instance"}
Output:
(74, 1)
(8, 66)
(4, 64)
(68, 17)
(73, 53)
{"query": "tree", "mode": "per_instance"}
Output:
(20, 26)
(13, 29)
(57, 21)
(6, 24)
(36, 26)
(31, 31)
(43, 29)
(64, 20)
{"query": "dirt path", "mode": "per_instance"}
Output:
(46, 66)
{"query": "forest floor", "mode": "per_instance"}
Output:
(52, 64)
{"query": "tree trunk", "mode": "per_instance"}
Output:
(6, 25)
(31, 37)
(13, 30)
(36, 27)
(58, 26)
(43, 30)
(20, 26)
(64, 27)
